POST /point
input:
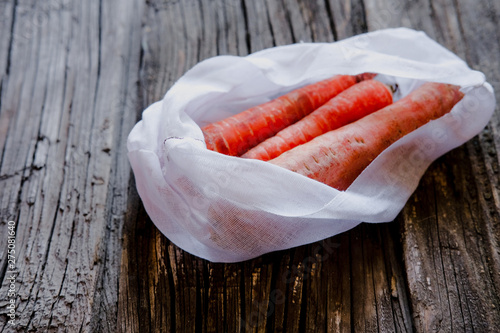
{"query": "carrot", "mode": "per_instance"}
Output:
(236, 134)
(336, 158)
(353, 103)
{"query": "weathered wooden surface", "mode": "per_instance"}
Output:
(74, 78)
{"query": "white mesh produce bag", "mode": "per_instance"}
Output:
(228, 209)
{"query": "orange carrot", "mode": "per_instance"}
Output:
(336, 158)
(352, 104)
(236, 134)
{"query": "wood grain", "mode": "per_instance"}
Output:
(74, 79)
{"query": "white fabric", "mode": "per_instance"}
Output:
(228, 209)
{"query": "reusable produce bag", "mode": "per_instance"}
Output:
(228, 209)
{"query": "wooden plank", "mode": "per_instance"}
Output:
(234, 299)
(258, 30)
(371, 308)
(338, 274)
(448, 265)
(31, 144)
(315, 304)
(64, 90)
(295, 276)
(74, 78)
(193, 296)
(483, 53)
(132, 257)
(282, 275)
(184, 273)
(256, 287)
(7, 10)
(309, 21)
(446, 255)
(348, 18)
(401, 307)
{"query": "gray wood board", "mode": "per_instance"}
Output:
(74, 79)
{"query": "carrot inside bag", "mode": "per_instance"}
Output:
(337, 157)
(352, 104)
(236, 134)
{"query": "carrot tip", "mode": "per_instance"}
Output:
(365, 76)
(394, 87)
